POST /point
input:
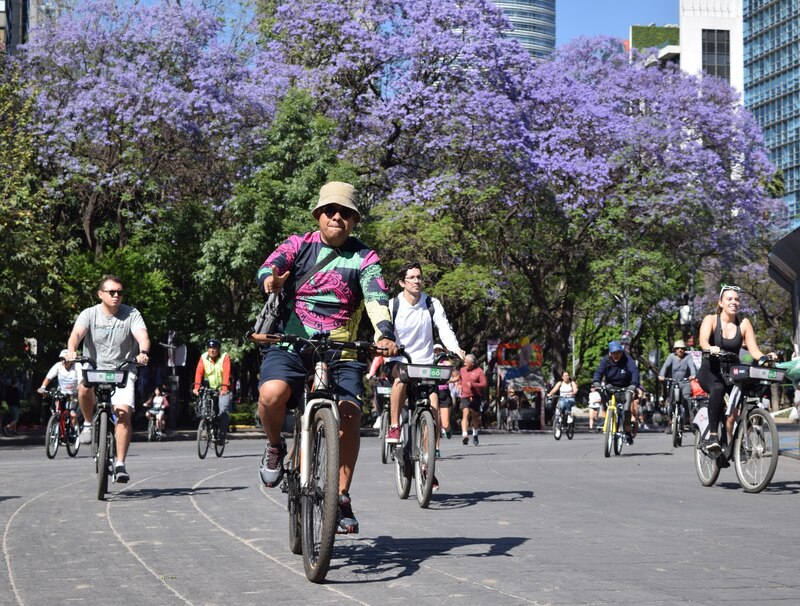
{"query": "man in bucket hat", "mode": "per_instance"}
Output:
(679, 366)
(347, 279)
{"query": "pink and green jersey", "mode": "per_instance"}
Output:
(334, 298)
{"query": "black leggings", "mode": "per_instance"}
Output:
(713, 383)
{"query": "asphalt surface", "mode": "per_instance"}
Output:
(520, 519)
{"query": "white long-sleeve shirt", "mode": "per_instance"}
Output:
(414, 330)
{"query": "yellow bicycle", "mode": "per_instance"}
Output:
(613, 426)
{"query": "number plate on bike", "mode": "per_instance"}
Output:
(742, 372)
(423, 373)
(117, 377)
(385, 391)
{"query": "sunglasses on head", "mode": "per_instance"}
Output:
(114, 293)
(330, 211)
(728, 287)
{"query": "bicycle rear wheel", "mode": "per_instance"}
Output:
(557, 426)
(385, 448)
(203, 438)
(102, 455)
(293, 494)
(402, 466)
(51, 437)
(755, 450)
(705, 465)
(424, 457)
(320, 499)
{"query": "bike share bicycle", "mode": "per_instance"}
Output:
(104, 443)
(311, 480)
(415, 455)
(59, 426)
(613, 425)
(562, 421)
(208, 430)
(677, 410)
(753, 443)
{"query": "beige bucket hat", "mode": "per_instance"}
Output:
(336, 192)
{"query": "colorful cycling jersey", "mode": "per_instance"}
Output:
(335, 297)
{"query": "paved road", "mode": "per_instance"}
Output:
(520, 519)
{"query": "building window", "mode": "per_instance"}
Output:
(717, 53)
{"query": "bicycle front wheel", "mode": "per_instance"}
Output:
(618, 435)
(677, 437)
(293, 493)
(425, 457)
(557, 426)
(203, 439)
(51, 437)
(151, 429)
(73, 440)
(609, 429)
(755, 450)
(571, 430)
(102, 455)
(320, 499)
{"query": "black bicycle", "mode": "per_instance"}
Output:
(104, 444)
(753, 445)
(311, 481)
(208, 430)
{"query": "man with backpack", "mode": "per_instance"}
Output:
(415, 315)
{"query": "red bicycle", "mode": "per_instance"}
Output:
(59, 427)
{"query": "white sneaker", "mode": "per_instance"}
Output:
(86, 434)
(377, 423)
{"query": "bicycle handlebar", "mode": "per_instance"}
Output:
(321, 341)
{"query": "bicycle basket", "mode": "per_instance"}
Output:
(424, 373)
(744, 372)
(115, 377)
(204, 409)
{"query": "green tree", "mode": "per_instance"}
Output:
(30, 274)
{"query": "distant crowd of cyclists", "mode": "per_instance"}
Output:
(328, 279)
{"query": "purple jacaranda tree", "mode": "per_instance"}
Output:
(558, 170)
(142, 105)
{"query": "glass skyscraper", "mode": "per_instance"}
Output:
(772, 84)
(534, 24)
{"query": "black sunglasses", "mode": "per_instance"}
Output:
(330, 211)
(114, 293)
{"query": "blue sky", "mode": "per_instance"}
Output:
(611, 17)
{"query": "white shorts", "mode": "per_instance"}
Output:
(594, 405)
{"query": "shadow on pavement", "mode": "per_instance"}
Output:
(154, 493)
(459, 501)
(390, 558)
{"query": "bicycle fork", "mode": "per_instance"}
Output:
(306, 434)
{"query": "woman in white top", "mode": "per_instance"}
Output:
(567, 390)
